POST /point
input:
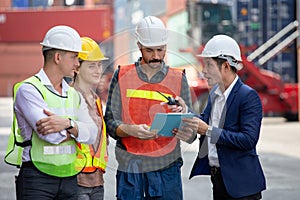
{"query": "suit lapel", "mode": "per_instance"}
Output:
(233, 92)
(229, 100)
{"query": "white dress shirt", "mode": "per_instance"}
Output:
(29, 106)
(215, 117)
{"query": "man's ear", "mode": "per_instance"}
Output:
(139, 45)
(227, 65)
(56, 57)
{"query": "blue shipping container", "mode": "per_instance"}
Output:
(250, 22)
(38, 3)
(258, 21)
(29, 3)
(20, 3)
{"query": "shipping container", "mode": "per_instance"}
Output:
(20, 3)
(29, 3)
(258, 21)
(22, 30)
(38, 3)
(249, 22)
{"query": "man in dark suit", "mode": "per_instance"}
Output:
(229, 126)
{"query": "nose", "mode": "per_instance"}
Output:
(156, 54)
(99, 68)
(204, 69)
(77, 62)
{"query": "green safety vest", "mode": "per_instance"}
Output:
(61, 160)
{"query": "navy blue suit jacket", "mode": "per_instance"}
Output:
(235, 140)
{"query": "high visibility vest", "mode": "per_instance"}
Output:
(140, 102)
(61, 160)
(96, 158)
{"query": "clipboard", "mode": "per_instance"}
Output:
(164, 123)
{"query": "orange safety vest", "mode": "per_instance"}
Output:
(140, 102)
(96, 158)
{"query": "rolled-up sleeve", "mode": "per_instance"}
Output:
(87, 129)
(29, 108)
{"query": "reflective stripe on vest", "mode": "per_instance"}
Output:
(140, 102)
(96, 160)
(64, 159)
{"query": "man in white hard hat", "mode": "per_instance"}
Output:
(51, 119)
(149, 165)
(229, 126)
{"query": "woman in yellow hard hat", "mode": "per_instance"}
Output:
(87, 77)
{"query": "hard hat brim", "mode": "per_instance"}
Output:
(48, 47)
(95, 60)
(105, 58)
(213, 56)
(206, 56)
(153, 44)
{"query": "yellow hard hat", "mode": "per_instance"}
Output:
(91, 49)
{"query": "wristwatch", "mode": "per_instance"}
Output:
(72, 124)
(209, 130)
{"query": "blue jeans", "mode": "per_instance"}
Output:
(165, 184)
(31, 184)
(90, 193)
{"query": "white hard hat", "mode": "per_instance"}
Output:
(225, 47)
(63, 38)
(151, 31)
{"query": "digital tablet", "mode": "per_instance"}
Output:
(164, 123)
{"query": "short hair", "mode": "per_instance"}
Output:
(49, 53)
(220, 61)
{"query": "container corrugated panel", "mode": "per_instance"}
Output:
(36, 22)
(39, 3)
(285, 64)
(20, 3)
(258, 21)
(249, 22)
(279, 13)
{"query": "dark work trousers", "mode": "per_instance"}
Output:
(31, 184)
(219, 190)
(90, 193)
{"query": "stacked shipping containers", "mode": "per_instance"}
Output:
(258, 21)
(23, 29)
(29, 3)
